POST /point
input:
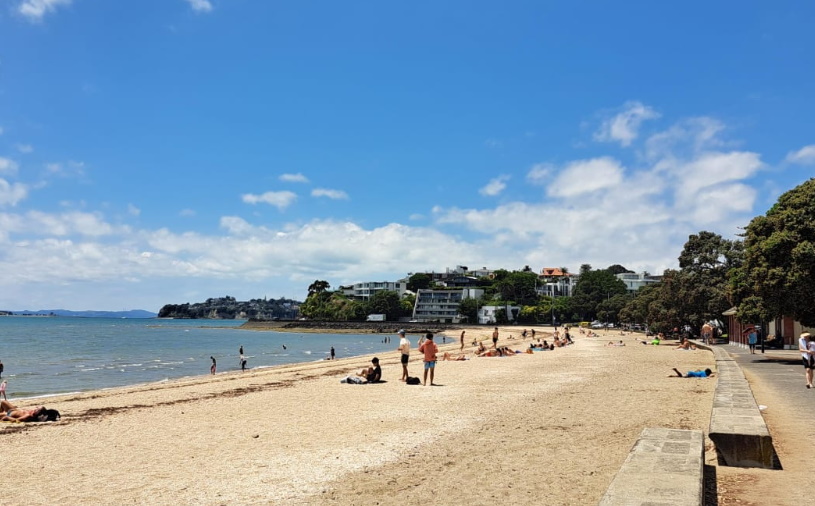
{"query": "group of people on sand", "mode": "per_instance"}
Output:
(428, 349)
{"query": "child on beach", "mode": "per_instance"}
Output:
(693, 374)
(430, 350)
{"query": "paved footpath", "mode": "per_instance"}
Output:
(780, 370)
(777, 380)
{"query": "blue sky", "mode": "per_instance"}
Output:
(168, 151)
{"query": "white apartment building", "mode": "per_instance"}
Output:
(364, 291)
(634, 281)
(434, 305)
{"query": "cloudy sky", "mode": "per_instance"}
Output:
(168, 151)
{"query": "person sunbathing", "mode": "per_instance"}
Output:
(11, 413)
(693, 374)
(447, 356)
(685, 345)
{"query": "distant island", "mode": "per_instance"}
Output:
(133, 313)
(227, 308)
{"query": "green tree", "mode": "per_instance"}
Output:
(779, 261)
(617, 269)
(318, 287)
(594, 287)
(468, 308)
(518, 287)
(385, 302)
(702, 285)
(418, 281)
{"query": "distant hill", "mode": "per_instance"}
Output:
(133, 313)
(227, 308)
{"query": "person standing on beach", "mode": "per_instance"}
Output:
(806, 356)
(430, 350)
(1, 368)
(213, 366)
(495, 338)
(332, 353)
(462, 339)
(404, 349)
(243, 364)
(3, 389)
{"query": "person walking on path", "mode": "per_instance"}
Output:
(495, 338)
(430, 350)
(806, 356)
(752, 338)
(213, 366)
(404, 349)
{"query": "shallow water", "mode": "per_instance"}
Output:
(54, 355)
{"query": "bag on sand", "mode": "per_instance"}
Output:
(413, 381)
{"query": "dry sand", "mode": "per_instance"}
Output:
(548, 428)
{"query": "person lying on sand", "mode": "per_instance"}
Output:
(447, 356)
(11, 413)
(692, 374)
(685, 345)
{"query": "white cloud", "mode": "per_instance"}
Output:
(200, 5)
(586, 176)
(280, 200)
(804, 156)
(293, 178)
(686, 137)
(495, 186)
(133, 210)
(69, 169)
(539, 173)
(12, 193)
(332, 194)
(35, 10)
(25, 148)
(187, 213)
(8, 166)
(624, 126)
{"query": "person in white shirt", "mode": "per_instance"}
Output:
(807, 356)
(404, 349)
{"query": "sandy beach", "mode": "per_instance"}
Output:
(547, 428)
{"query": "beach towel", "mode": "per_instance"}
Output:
(355, 380)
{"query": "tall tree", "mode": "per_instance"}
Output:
(418, 281)
(318, 287)
(779, 263)
(617, 269)
(592, 288)
(385, 302)
(518, 287)
(702, 283)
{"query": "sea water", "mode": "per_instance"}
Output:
(54, 355)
